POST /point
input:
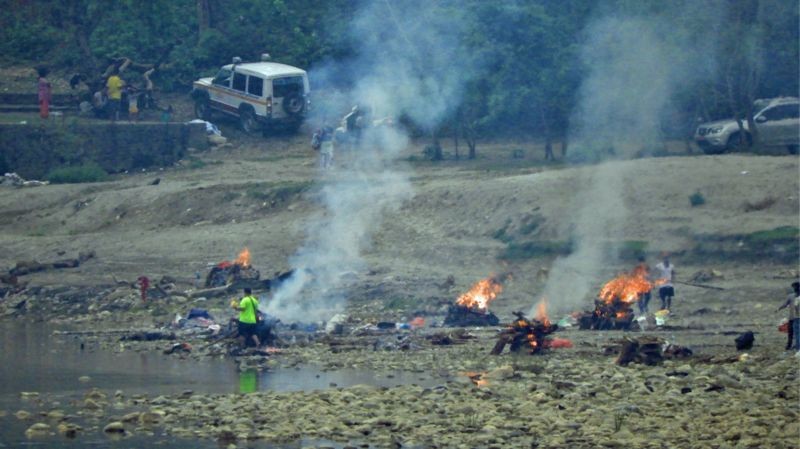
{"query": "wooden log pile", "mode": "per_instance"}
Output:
(462, 316)
(646, 350)
(524, 334)
(614, 315)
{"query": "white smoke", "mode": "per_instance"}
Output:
(633, 72)
(405, 67)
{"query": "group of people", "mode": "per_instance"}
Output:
(664, 276)
(349, 133)
(115, 99)
(111, 98)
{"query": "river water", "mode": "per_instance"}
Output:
(33, 359)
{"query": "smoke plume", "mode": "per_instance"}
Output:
(406, 66)
(632, 73)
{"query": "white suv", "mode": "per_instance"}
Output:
(260, 94)
(777, 119)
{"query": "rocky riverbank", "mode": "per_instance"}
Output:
(565, 399)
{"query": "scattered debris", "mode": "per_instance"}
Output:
(16, 180)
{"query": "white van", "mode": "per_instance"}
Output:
(261, 94)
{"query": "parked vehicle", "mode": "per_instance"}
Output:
(262, 95)
(777, 120)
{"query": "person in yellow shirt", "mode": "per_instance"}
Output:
(248, 311)
(114, 86)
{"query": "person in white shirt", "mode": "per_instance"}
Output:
(666, 273)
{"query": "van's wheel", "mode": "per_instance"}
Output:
(792, 149)
(247, 121)
(201, 109)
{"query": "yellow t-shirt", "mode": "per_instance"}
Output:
(248, 315)
(114, 86)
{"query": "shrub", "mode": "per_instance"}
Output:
(90, 172)
(697, 199)
(529, 250)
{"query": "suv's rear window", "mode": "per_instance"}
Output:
(239, 81)
(255, 86)
(284, 87)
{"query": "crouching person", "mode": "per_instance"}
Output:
(248, 323)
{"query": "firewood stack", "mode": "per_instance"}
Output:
(646, 350)
(614, 315)
(524, 334)
(462, 316)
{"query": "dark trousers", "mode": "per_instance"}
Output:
(666, 293)
(644, 299)
(791, 335)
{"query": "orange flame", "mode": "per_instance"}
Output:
(541, 312)
(243, 259)
(477, 378)
(627, 287)
(481, 294)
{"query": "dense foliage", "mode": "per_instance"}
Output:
(531, 55)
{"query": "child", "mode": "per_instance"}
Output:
(133, 105)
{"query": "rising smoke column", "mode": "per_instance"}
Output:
(633, 72)
(408, 65)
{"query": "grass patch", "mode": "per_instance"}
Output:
(90, 172)
(529, 250)
(277, 192)
(502, 233)
(401, 304)
(195, 163)
(783, 234)
(633, 249)
(780, 244)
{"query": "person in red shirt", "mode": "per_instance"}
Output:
(45, 93)
(144, 284)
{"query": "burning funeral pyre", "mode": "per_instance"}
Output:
(472, 308)
(238, 271)
(613, 306)
(526, 334)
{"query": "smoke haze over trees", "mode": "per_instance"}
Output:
(520, 63)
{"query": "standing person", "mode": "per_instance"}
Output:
(323, 141)
(45, 92)
(248, 310)
(793, 303)
(144, 284)
(133, 104)
(666, 291)
(643, 270)
(114, 86)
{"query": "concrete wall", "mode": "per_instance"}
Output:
(32, 150)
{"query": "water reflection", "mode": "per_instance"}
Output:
(248, 381)
(32, 359)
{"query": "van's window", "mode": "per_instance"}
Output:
(239, 81)
(255, 86)
(284, 87)
(223, 78)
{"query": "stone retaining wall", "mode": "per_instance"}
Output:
(32, 150)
